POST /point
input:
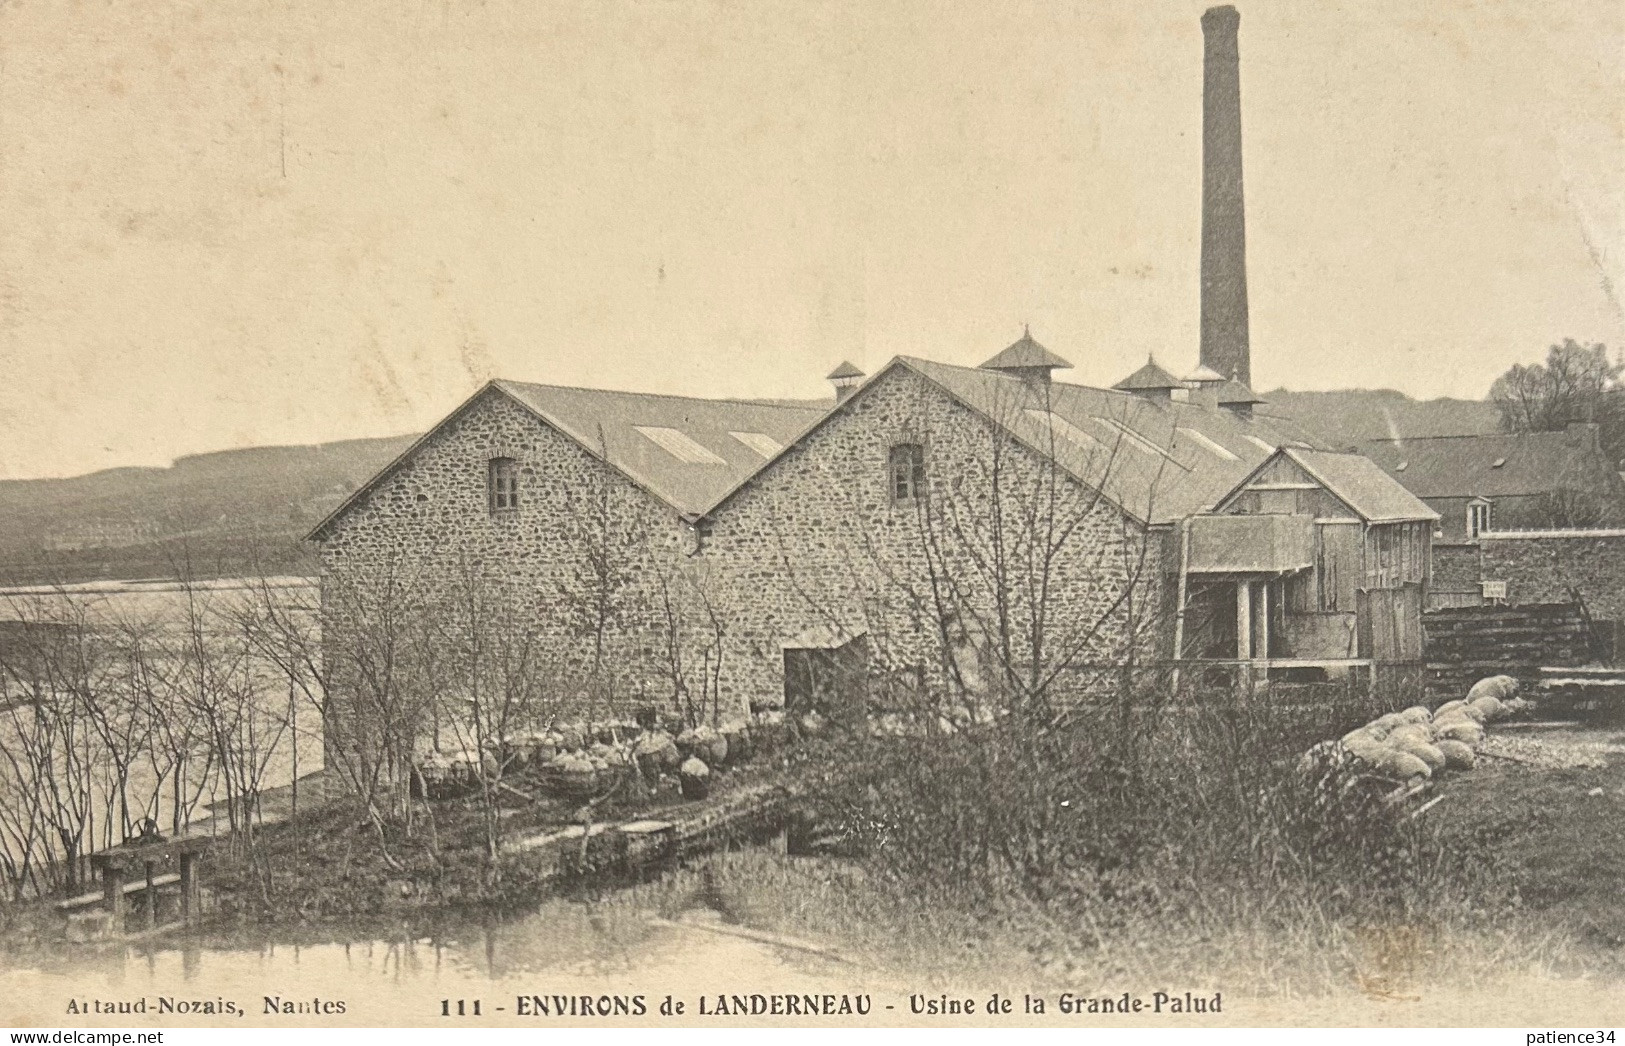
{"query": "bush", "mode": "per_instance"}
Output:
(1134, 799)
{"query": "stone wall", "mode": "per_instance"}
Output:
(582, 565)
(1542, 567)
(1455, 575)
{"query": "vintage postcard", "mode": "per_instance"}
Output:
(878, 513)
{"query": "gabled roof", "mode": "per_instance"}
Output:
(1158, 462)
(688, 452)
(1494, 465)
(1025, 354)
(1149, 377)
(1361, 485)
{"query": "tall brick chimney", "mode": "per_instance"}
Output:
(1224, 237)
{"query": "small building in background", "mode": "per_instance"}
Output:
(1508, 481)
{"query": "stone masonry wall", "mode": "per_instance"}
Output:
(816, 541)
(1453, 580)
(1540, 567)
(581, 530)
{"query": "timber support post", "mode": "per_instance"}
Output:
(113, 895)
(188, 862)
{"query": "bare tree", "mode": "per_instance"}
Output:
(499, 680)
(1019, 593)
(363, 656)
(1576, 383)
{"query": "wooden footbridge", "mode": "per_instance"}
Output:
(160, 875)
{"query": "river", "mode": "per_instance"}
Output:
(618, 950)
(276, 734)
(398, 971)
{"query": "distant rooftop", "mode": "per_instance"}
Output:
(1494, 465)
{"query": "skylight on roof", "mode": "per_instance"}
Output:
(1260, 444)
(1497, 463)
(760, 442)
(1064, 429)
(1201, 440)
(1137, 440)
(679, 445)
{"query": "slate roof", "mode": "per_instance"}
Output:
(1362, 485)
(1159, 462)
(845, 370)
(621, 417)
(681, 449)
(1532, 463)
(1149, 377)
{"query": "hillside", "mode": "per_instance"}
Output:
(207, 514)
(1348, 417)
(245, 510)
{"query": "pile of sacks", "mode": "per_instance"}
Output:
(1417, 743)
(693, 753)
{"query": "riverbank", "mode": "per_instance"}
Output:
(332, 862)
(1536, 890)
(1540, 889)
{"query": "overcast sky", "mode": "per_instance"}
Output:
(236, 223)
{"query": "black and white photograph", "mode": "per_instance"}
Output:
(704, 514)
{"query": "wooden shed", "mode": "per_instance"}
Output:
(1315, 558)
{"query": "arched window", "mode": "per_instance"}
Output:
(907, 472)
(502, 484)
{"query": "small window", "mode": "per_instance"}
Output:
(907, 472)
(1478, 518)
(502, 484)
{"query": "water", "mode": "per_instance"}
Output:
(401, 975)
(385, 971)
(280, 733)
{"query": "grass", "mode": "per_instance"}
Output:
(1530, 885)
(1557, 838)
(1535, 889)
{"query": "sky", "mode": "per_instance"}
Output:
(295, 221)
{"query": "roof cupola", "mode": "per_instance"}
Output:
(1027, 359)
(1150, 382)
